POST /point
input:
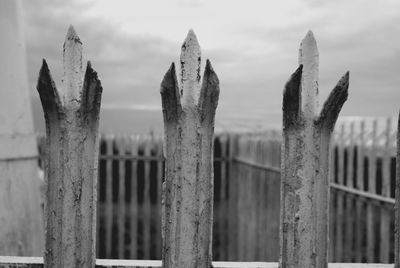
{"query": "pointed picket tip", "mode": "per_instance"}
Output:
(190, 50)
(333, 104)
(212, 77)
(344, 80)
(190, 70)
(308, 52)
(91, 92)
(398, 133)
(292, 99)
(170, 97)
(48, 93)
(209, 93)
(310, 36)
(191, 41)
(72, 43)
(309, 58)
(45, 85)
(309, 40)
(72, 35)
(169, 82)
(72, 81)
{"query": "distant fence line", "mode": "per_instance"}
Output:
(247, 195)
(363, 186)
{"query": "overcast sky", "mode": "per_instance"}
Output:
(253, 46)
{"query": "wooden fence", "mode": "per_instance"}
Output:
(129, 220)
(363, 191)
(129, 198)
(246, 183)
(247, 196)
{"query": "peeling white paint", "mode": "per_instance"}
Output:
(72, 80)
(309, 57)
(190, 71)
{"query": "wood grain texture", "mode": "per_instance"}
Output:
(71, 170)
(305, 163)
(188, 190)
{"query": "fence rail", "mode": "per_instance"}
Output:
(37, 262)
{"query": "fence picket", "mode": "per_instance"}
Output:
(349, 220)
(189, 116)
(371, 189)
(72, 120)
(255, 179)
(253, 200)
(360, 157)
(350, 157)
(223, 202)
(332, 218)
(217, 202)
(242, 199)
(384, 212)
(340, 197)
(259, 182)
(109, 139)
(372, 159)
(134, 206)
(332, 203)
(305, 157)
(121, 145)
(360, 219)
(234, 170)
(146, 219)
(274, 199)
(160, 176)
(386, 158)
(263, 203)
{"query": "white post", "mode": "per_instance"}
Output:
(188, 189)
(72, 118)
(21, 221)
(305, 163)
(397, 204)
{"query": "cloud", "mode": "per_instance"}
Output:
(253, 50)
(360, 38)
(130, 67)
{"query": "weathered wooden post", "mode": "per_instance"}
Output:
(72, 118)
(21, 218)
(189, 111)
(397, 204)
(305, 162)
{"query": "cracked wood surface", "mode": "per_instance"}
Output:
(305, 162)
(72, 118)
(188, 189)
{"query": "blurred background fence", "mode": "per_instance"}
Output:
(247, 195)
